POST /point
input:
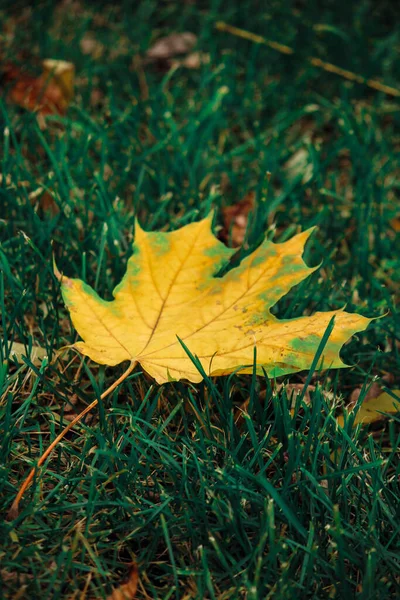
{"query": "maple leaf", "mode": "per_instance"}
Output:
(171, 291)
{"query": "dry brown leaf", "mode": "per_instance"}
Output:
(372, 410)
(192, 61)
(18, 350)
(295, 389)
(395, 224)
(91, 46)
(50, 93)
(373, 392)
(127, 590)
(63, 75)
(43, 200)
(375, 403)
(172, 45)
(236, 219)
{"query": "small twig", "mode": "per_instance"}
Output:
(316, 62)
(13, 512)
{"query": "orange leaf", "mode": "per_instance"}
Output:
(127, 590)
(50, 93)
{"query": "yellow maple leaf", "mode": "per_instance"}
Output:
(170, 291)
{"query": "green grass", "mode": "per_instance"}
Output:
(211, 498)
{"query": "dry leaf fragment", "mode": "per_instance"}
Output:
(372, 407)
(63, 75)
(295, 389)
(172, 45)
(44, 201)
(127, 590)
(18, 350)
(49, 93)
(299, 164)
(395, 224)
(235, 220)
(166, 49)
(170, 294)
(192, 61)
(91, 46)
(373, 391)
(372, 410)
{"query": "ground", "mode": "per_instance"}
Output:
(229, 488)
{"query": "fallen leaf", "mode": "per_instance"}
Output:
(91, 46)
(172, 45)
(43, 200)
(299, 164)
(192, 61)
(295, 389)
(373, 391)
(50, 93)
(395, 223)
(18, 350)
(170, 293)
(127, 590)
(166, 50)
(372, 408)
(63, 75)
(235, 220)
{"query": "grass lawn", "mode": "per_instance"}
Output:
(228, 488)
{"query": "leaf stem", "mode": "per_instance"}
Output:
(13, 512)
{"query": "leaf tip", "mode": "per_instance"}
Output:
(210, 216)
(307, 233)
(65, 281)
(139, 231)
(137, 224)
